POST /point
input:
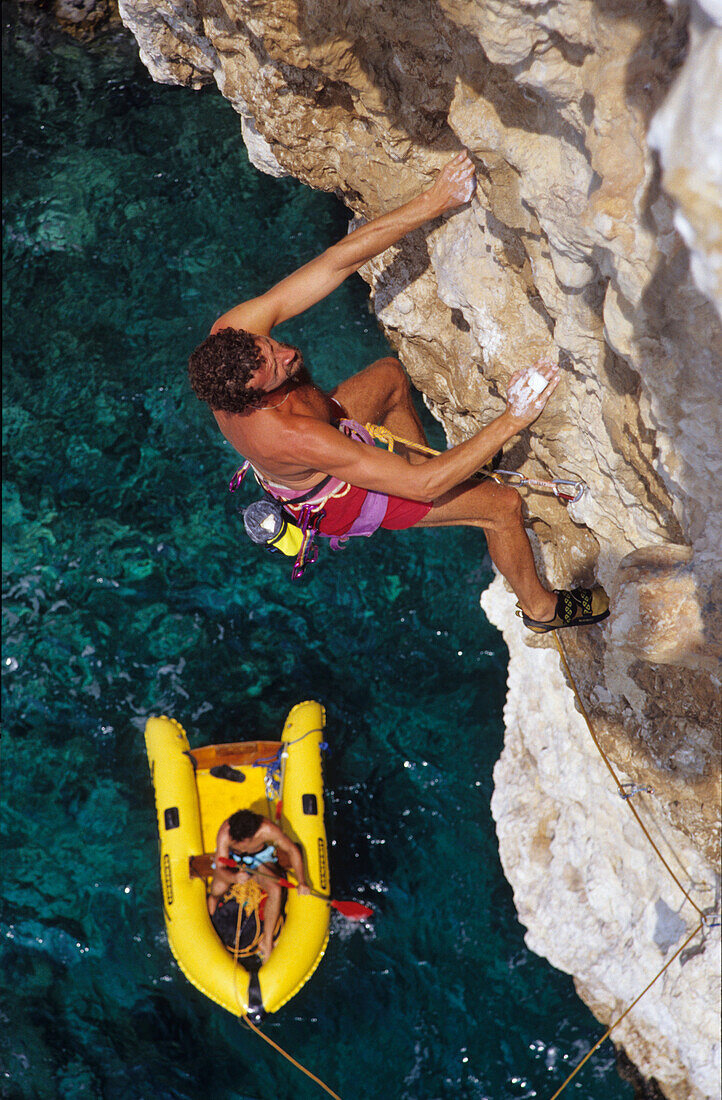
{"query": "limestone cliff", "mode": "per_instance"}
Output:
(83, 19)
(595, 237)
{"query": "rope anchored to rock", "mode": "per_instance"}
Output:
(568, 491)
(626, 791)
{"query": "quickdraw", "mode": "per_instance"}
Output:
(628, 790)
(308, 553)
(237, 479)
(565, 489)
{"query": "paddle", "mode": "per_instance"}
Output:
(352, 910)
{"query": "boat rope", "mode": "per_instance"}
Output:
(290, 1058)
(265, 761)
(245, 1019)
(272, 764)
(626, 794)
(563, 488)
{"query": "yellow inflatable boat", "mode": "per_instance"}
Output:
(283, 782)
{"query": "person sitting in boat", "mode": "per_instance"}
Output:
(269, 409)
(250, 846)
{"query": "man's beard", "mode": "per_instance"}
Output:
(297, 365)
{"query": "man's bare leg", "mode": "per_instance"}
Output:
(497, 509)
(271, 913)
(381, 394)
(220, 882)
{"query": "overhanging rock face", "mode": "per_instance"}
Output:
(596, 238)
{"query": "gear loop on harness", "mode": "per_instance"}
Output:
(304, 510)
(308, 522)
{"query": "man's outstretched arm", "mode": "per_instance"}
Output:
(454, 186)
(323, 447)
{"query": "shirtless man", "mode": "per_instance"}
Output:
(269, 409)
(254, 844)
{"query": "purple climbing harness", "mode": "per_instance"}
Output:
(367, 522)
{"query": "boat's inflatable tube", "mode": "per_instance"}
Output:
(283, 782)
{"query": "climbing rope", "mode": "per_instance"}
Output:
(244, 1018)
(571, 491)
(704, 922)
(565, 489)
(620, 786)
(619, 1019)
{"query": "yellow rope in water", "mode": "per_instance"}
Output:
(287, 1056)
(244, 1018)
(620, 788)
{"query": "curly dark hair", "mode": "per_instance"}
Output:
(244, 824)
(221, 367)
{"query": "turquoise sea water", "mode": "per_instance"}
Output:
(132, 218)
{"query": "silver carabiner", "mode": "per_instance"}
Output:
(577, 486)
(507, 473)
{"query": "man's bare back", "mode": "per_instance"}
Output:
(256, 434)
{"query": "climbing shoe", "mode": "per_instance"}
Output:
(225, 771)
(578, 607)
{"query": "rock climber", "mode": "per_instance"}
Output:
(250, 846)
(307, 446)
